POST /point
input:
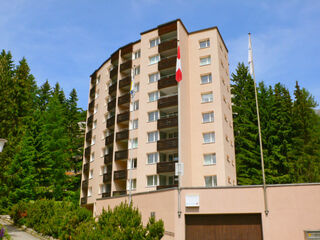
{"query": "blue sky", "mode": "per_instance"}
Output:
(65, 41)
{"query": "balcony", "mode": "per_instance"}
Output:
(167, 28)
(107, 177)
(85, 184)
(122, 117)
(87, 152)
(106, 194)
(112, 88)
(122, 154)
(167, 81)
(126, 65)
(123, 135)
(86, 168)
(125, 82)
(91, 106)
(108, 158)
(167, 45)
(169, 101)
(165, 167)
(90, 121)
(169, 62)
(167, 122)
(124, 99)
(109, 139)
(83, 200)
(119, 193)
(111, 104)
(120, 175)
(114, 72)
(167, 144)
(126, 49)
(89, 136)
(94, 78)
(115, 57)
(166, 186)
(111, 122)
(93, 91)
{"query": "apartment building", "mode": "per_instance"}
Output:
(132, 144)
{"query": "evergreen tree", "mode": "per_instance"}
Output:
(44, 94)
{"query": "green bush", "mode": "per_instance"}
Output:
(4, 233)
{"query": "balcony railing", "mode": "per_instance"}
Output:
(86, 167)
(90, 121)
(122, 154)
(83, 200)
(126, 49)
(85, 184)
(120, 175)
(119, 193)
(167, 81)
(112, 88)
(115, 57)
(169, 62)
(164, 167)
(169, 101)
(166, 186)
(108, 158)
(167, 144)
(106, 194)
(87, 151)
(91, 106)
(107, 177)
(167, 45)
(122, 117)
(125, 82)
(167, 28)
(126, 65)
(111, 104)
(167, 122)
(124, 99)
(89, 136)
(123, 135)
(114, 72)
(111, 122)
(109, 139)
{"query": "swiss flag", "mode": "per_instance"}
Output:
(178, 69)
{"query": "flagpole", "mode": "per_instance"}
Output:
(259, 127)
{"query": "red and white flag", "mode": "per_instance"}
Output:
(178, 68)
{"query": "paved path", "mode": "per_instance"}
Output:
(17, 234)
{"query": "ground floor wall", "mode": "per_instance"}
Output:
(293, 209)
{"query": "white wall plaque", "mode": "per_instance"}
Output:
(192, 201)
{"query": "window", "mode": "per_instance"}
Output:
(132, 184)
(136, 87)
(134, 106)
(228, 158)
(153, 96)
(103, 170)
(205, 61)
(315, 235)
(153, 158)
(94, 125)
(133, 143)
(133, 124)
(154, 59)
(207, 117)
(209, 137)
(91, 174)
(92, 157)
(153, 136)
(136, 70)
(225, 118)
(207, 97)
(103, 188)
(173, 157)
(89, 191)
(95, 109)
(154, 42)
(209, 159)
(206, 78)
(153, 116)
(136, 54)
(205, 43)
(210, 181)
(154, 77)
(132, 163)
(152, 180)
(93, 141)
(96, 94)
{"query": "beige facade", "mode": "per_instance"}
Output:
(146, 132)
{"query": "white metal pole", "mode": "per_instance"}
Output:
(259, 127)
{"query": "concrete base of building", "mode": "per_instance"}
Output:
(294, 210)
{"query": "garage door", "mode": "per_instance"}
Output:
(224, 227)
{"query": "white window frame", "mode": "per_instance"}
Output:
(206, 78)
(136, 87)
(153, 136)
(154, 59)
(132, 184)
(209, 137)
(205, 61)
(212, 179)
(206, 97)
(134, 106)
(210, 117)
(154, 42)
(134, 124)
(132, 163)
(89, 191)
(206, 43)
(154, 77)
(93, 140)
(133, 143)
(91, 174)
(154, 96)
(94, 125)
(136, 54)
(92, 157)
(209, 159)
(154, 157)
(153, 116)
(136, 70)
(154, 180)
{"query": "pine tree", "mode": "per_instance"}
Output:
(44, 94)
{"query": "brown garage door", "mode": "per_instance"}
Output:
(224, 227)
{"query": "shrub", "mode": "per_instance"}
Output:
(4, 233)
